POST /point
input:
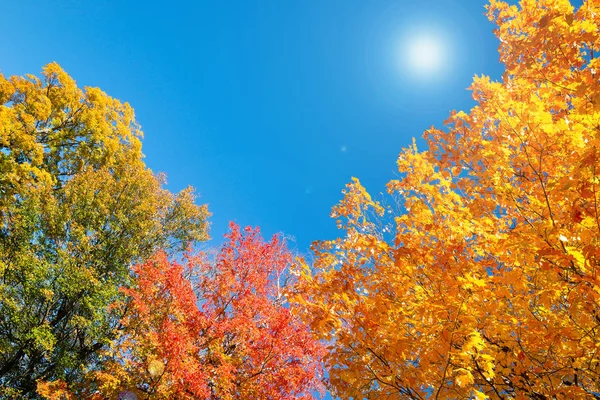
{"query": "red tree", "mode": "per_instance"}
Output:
(216, 329)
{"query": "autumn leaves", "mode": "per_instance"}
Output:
(212, 328)
(476, 278)
(77, 208)
(489, 287)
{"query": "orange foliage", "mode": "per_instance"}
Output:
(481, 278)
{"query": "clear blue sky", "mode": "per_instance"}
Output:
(268, 108)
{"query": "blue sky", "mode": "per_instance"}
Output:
(268, 108)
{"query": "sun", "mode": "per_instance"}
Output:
(424, 55)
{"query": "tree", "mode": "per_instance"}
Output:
(211, 329)
(77, 208)
(480, 277)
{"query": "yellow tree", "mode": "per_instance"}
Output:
(480, 277)
(78, 206)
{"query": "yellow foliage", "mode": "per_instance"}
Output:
(78, 207)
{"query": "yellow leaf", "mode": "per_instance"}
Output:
(464, 377)
(579, 257)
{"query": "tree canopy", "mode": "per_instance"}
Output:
(210, 329)
(478, 276)
(78, 207)
(475, 276)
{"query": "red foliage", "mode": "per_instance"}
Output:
(215, 329)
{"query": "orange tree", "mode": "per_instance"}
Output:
(480, 277)
(206, 329)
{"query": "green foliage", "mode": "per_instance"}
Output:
(78, 207)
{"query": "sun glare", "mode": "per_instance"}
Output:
(424, 55)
